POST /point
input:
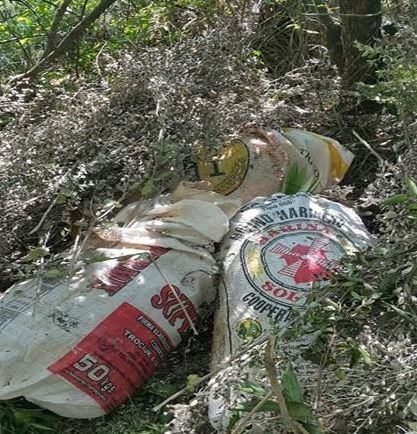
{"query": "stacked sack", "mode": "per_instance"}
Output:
(80, 346)
(277, 249)
(263, 162)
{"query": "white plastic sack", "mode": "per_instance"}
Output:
(276, 250)
(249, 166)
(80, 347)
(264, 162)
(325, 161)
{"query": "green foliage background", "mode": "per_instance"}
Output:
(24, 28)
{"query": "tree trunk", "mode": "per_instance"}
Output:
(361, 21)
(52, 36)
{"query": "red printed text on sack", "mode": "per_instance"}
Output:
(175, 307)
(119, 276)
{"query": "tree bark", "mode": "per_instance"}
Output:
(74, 35)
(361, 21)
(52, 35)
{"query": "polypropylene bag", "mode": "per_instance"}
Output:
(276, 250)
(324, 164)
(263, 162)
(80, 347)
(246, 167)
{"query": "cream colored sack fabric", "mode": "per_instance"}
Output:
(264, 162)
(276, 250)
(246, 167)
(80, 347)
(325, 163)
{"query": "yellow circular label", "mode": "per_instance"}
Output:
(227, 169)
(249, 329)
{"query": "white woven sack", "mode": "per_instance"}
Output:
(276, 250)
(263, 162)
(80, 347)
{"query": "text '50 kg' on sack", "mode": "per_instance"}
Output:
(276, 250)
(263, 162)
(81, 346)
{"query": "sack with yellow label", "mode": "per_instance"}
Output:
(246, 167)
(325, 161)
(262, 162)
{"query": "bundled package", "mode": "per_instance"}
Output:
(276, 250)
(80, 346)
(263, 162)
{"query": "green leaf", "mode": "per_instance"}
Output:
(412, 187)
(295, 179)
(233, 421)
(340, 374)
(394, 200)
(193, 381)
(298, 411)
(366, 357)
(412, 405)
(164, 176)
(313, 429)
(35, 253)
(62, 198)
(253, 389)
(54, 273)
(42, 427)
(149, 188)
(271, 406)
(163, 390)
(291, 387)
(301, 412)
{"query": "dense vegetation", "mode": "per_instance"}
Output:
(92, 89)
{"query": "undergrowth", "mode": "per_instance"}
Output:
(357, 372)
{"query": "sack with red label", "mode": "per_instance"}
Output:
(81, 346)
(263, 162)
(276, 250)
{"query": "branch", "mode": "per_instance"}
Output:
(243, 423)
(59, 15)
(272, 374)
(324, 14)
(368, 147)
(35, 14)
(17, 38)
(74, 35)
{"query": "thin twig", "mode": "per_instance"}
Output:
(321, 368)
(185, 390)
(39, 277)
(182, 306)
(97, 58)
(227, 363)
(240, 427)
(41, 221)
(272, 373)
(212, 373)
(317, 14)
(74, 255)
(368, 146)
(15, 39)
